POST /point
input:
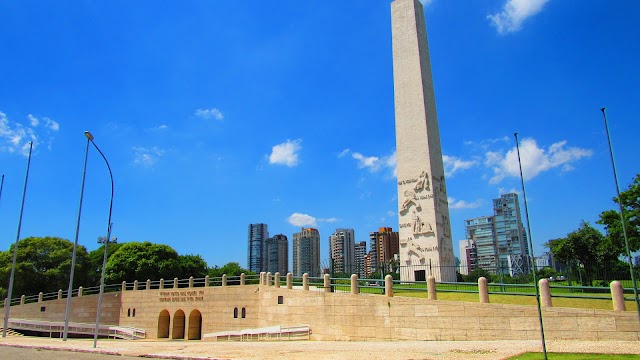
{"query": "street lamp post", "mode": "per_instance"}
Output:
(7, 305)
(106, 242)
(624, 227)
(75, 243)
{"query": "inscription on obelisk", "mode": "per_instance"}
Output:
(423, 210)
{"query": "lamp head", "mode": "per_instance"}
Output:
(88, 135)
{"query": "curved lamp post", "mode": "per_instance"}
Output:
(7, 305)
(106, 242)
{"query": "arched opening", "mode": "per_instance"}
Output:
(195, 325)
(235, 313)
(244, 313)
(134, 312)
(163, 324)
(129, 312)
(178, 325)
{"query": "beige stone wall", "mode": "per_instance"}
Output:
(83, 310)
(341, 316)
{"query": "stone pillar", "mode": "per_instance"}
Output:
(262, 276)
(483, 290)
(276, 280)
(289, 281)
(242, 279)
(22, 300)
(431, 287)
(161, 283)
(388, 285)
(148, 284)
(305, 281)
(175, 283)
(267, 279)
(545, 292)
(327, 283)
(135, 284)
(354, 284)
(206, 281)
(190, 281)
(617, 295)
(60, 294)
(224, 279)
(124, 286)
(40, 297)
(80, 289)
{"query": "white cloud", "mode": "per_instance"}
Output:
(391, 213)
(146, 157)
(212, 113)
(344, 152)
(502, 191)
(328, 220)
(535, 160)
(461, 204)
(297, 219)
(375, 163)
(162, 127)
(286, 153)
(452, 164)
(514, 13)
(15, 138)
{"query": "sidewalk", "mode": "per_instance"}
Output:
(312, 350)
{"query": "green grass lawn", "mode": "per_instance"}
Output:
(579, 303)
(571, 356)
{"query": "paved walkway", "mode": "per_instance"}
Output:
(82, 349)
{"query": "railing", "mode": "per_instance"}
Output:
(109, 331)
(300, 332)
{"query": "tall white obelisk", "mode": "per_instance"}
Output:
(426, 248)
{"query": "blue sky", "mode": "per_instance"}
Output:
(217, 114)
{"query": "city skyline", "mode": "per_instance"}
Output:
(250, 119)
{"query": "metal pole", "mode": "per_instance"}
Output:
(106, 244)
(75, 246)
(15, 247)
(531, 256)
(624, 227)
(1, 186)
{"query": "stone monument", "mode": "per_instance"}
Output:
(426, 248)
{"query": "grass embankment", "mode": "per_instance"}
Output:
(573, 356)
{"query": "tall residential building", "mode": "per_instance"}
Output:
(306, 252)
(341, 251)
(384, 245)
(360, 254)
(258, 235)
(511, 239)
(481, 232)
(277, 255)
(500, 239)
(468, 256)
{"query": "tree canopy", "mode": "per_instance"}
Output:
(630, 200)
(142, 261)
(43, 265)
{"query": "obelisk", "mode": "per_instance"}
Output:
(426, 248)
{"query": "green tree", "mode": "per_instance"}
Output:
(193, 265)
(630, 200)
(141, 261)
(96, 257)
(586, 251)
(231, 269)
(43, 265)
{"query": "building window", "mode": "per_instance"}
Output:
(129, 312)
(244, 313)
(235, 313)
(43, 308)
(280, 300)
(134, 312)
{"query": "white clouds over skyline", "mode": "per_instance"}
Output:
(213, 113)
(461, 204)
(286, 153)
(453, 164)
(535, 160)
(300, 220)
(514, 13)
(373, 163)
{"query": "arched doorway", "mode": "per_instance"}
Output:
(178, 325)
(195, 325)
(163, 324)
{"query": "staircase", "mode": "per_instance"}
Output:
(11, 332)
